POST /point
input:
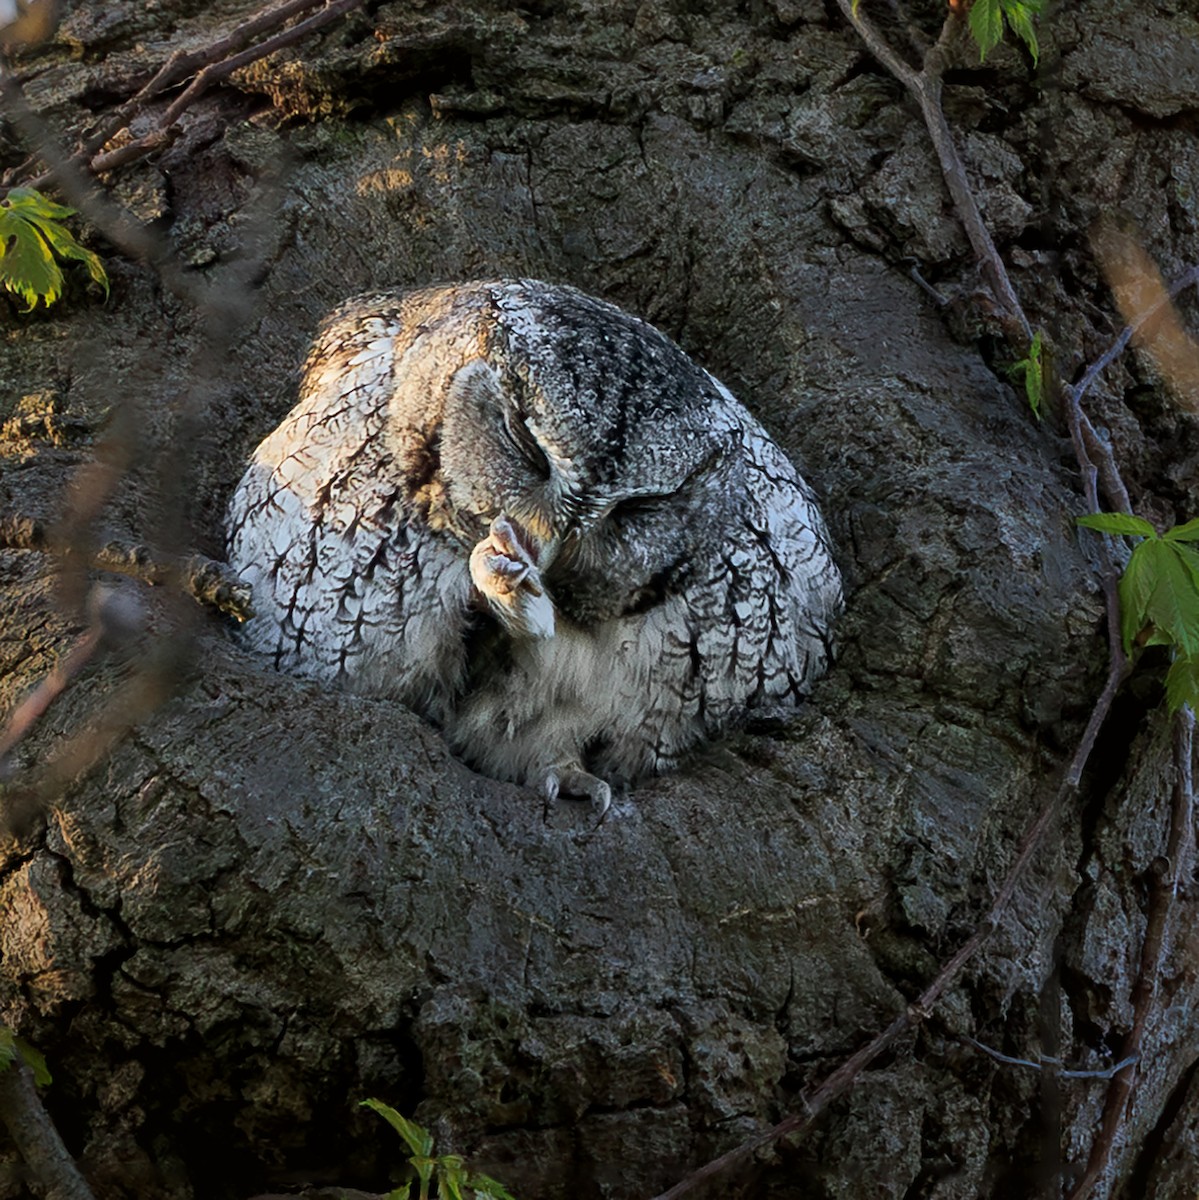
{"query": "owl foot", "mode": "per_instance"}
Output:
(570, 779)
(505, 571)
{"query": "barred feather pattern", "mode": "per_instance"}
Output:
(534, 519)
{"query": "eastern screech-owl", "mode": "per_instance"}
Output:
(534, 519)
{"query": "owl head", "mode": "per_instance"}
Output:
(599, 438)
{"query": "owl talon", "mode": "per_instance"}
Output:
(570, 779)
(505, 572)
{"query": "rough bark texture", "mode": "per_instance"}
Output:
(272, 901)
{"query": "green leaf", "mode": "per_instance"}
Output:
(400, 1193)
(1135, 588)
(1019, 17)
(27, 266)
(1183, 533)
(31, 236)
(1120, 524)
(450, 1177)
(1182, 684)
(1034, 376)
(32, 204)
(8, 1047)
(65, 246)
(35, 1060)
(484, 1185)
(15, 1050)
(424, 1166)
(1173, 604)
(419, 1140)
(1190, 559)
(986, 24)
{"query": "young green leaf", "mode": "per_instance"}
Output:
(484, 1185)
(1119, 524)
(14, 1050)
(449, 1169)
(1019, 16)
(1135, 588)
(450, 1177)
(35, 1060)
(418, 1139)
(424, 1166)
(31, 236)
(1182, 684)
(1183, 533)
(986, 24)
(1034, 376)
(1173, 604)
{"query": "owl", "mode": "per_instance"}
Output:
(535, 520)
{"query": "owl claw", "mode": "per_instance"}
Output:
(505, 571)
(571, 779)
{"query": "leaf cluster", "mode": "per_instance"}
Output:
(987, 18)
(15, 1050)
(1159, 596)
(32, 240)
(446, 1171)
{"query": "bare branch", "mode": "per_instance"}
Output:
(215, 62)
(180, 65)
(222, 70)
(1048, 1061)
(134, 239)
(1187, 279)
(36, 1138)
(1166, 874)
(925, 86)
(31, 710)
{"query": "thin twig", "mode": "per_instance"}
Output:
(180, 65)
(134, 239)
(1166, 877)
(1049, 1060)
(161, 669)
(222, 70)
(31, 710)
(1088, 445)
(214, 62)
(35, 1137)
(925, 87)
(151, 143)
(1187, 279)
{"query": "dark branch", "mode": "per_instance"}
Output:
(214, 63)
(925, 87)
(35, 1137)
(1166, 874)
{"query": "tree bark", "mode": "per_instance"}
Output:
(272, 900)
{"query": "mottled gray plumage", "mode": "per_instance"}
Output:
(534, 519)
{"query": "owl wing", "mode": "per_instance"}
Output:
(347, 587)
